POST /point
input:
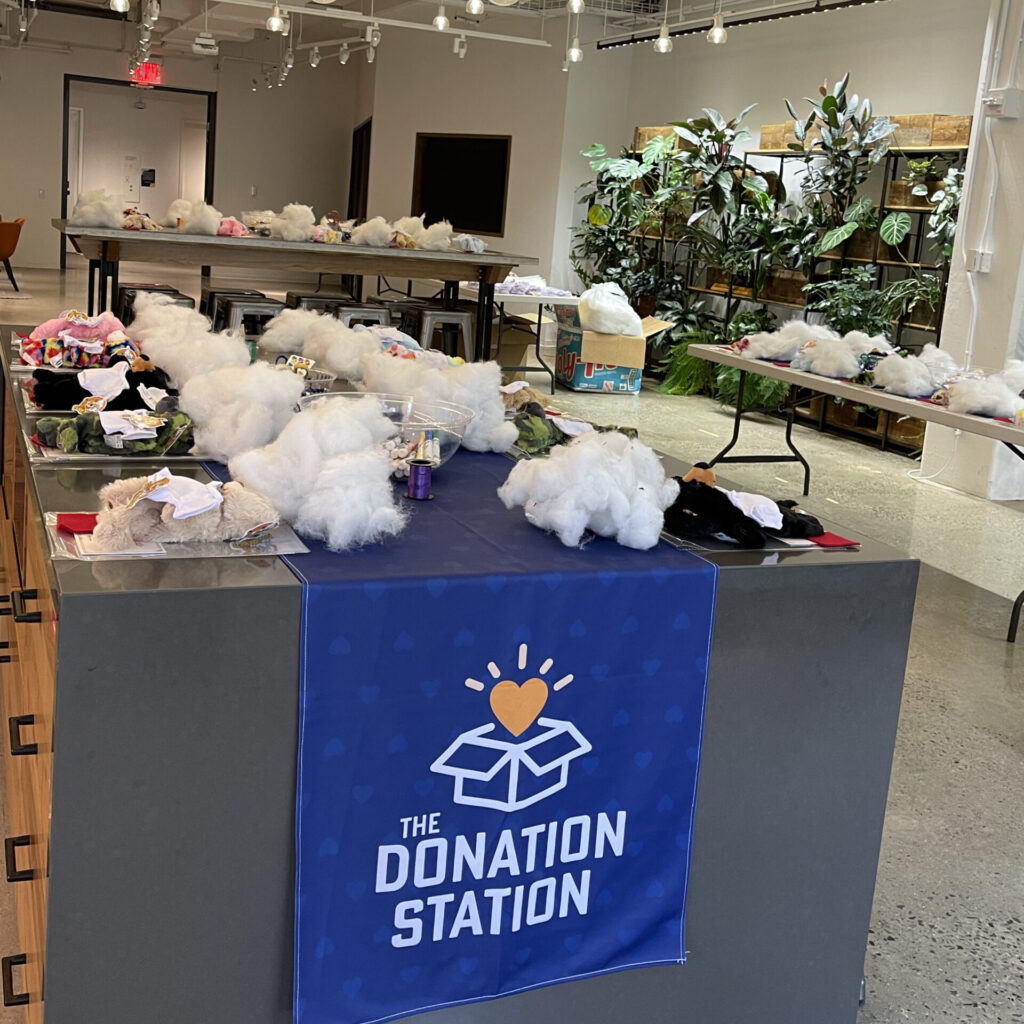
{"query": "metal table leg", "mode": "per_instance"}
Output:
(1018, 605)
(94, 266)
(103, 277)
(484, 315)
(796, 456)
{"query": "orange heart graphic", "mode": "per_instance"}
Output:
(517, 707)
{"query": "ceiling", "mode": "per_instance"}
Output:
(181, 20)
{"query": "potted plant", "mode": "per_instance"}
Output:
(915, 298)
(942, 219)
(923, 178)
(851, 301)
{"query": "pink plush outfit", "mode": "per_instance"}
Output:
(79, 325)
(231, 227)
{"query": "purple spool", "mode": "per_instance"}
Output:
(419, 479)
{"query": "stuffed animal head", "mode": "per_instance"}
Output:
(703, 472)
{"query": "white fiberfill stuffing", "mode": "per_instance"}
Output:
(605, 482)
(97, 209)
(238, 408)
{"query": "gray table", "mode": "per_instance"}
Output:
(106, 247)
(809, 385)
(174, 754)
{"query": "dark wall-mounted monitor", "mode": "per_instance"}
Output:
(462, 179)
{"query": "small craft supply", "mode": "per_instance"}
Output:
(419, 479)
(300, 365)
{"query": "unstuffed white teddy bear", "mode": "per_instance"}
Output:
(122, 523)
(605, 482)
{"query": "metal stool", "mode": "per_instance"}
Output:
(406, 314)
(253, 314)
(210, 295)
(349, 315)
(448, 320)
(124, 307)
(217, 304)
(324, 303)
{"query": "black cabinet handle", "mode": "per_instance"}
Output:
(14, 724)
(7, 964)
(11, 844)
(18, 599)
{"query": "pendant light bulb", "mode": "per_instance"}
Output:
(717, 33)
(375, 35)
(287, 25)
(440, 21)
(254, 85)
(475, 7)
(344, 54)
(575, 54)
(663, 44)
(120, 6)
(371, 53)
(314, 56)
(576, 6)
(275, 23)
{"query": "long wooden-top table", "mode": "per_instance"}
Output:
(811, 384)
(106, 247)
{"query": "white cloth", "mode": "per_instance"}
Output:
(119, 423)
(151, 396)
(516, 385)
(189, 497)
(762, 510)
(105, 381)
(572, 427)
(94, 346)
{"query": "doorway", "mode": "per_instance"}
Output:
(359, 176)
(146, 147)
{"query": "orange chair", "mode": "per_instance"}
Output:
(9, 232)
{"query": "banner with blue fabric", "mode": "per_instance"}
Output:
(499, 744)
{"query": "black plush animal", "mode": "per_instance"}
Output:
(796, 522)
(61, 391)
(701, 511)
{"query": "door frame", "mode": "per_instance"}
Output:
(211, 138)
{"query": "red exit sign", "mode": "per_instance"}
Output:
(146, 75)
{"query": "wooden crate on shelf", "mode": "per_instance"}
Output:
(913, 130)
(952, 129)
(643, 135)
(774, 136)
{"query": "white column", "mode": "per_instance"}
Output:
(983, 320)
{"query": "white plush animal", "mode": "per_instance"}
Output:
(605, 482)
(295, 223)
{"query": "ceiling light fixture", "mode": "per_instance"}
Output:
(717, 33)
(575, 54)
(275, 23)
(663, 44)
(440, 21)
(144, 35)
(289, 58)
(254, 85)
(371, 53)
(344, 54)
(576, 6)
(475, 7)
(287, 25)
(204, 44)
(120, 6)
(314, 56)
(504, 3)
(459, 47)
(150, 13)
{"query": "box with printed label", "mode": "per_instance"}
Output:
(587, 361)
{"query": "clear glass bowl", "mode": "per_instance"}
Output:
(438, 425)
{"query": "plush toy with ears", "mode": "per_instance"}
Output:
(130, 516)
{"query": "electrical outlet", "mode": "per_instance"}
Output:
(1004, 103)
(978, 261)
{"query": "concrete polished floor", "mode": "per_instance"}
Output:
(947, 939)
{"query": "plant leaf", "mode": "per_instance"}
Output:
(835, 237)
(715, 118)
(857, 209)
(594, 151)
(895, 228)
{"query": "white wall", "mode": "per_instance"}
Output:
(984, 330)
(292, 142)
(497, 89)
(114, 127)
(595, 111)
(908, 56)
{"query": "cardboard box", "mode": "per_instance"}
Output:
(587, 361)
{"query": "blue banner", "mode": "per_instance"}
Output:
(497, 771)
